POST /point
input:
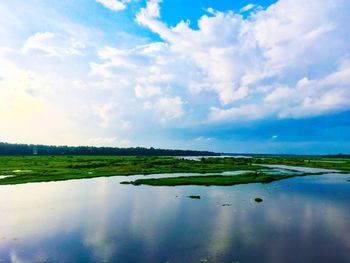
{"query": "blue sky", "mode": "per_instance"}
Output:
(228, 76)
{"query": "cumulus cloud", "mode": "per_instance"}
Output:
(152, 10)
(113, 5)
(53, 44)
(290, 60)
(106, 113)
(167, 108)
(151, 73)
(247, 8)
(242, 113)
(274, 63)
(261, 65)
(148, 91)
(110, 114)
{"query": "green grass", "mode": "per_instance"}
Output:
(57, 168)
(209, 180)
(341, 164)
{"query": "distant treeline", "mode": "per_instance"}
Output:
(339, 155)
(32, 149)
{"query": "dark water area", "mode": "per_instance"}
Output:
(302, 219)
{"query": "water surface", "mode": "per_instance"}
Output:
(298, 168)
(301, 219)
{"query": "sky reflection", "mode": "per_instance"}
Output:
(302, 219)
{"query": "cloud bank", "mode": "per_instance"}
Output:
(290, 60)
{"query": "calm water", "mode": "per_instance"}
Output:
(302, 219)
(298, 168)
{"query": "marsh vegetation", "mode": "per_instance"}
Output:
(25, 169)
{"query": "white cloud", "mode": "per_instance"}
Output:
(290, 60)
(166, 108)
(20, 93)
(276, 48)
(151, 72)
(210, 53)
(247, 8)
(48, 100)
(26, 112)
(53, 44)
(108, 142)
(110, 115)
(106, 113)
(148, 91)
(151, 11)
(148, 62)
(114, 5)
(201, 138)
(243, 113)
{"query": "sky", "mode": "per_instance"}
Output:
(242, 76)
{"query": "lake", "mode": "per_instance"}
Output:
(301, 219)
